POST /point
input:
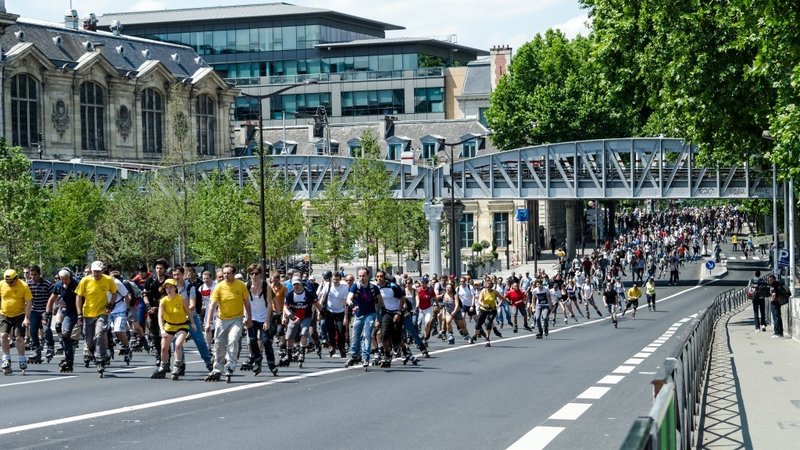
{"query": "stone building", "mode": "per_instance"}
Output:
(76, 92)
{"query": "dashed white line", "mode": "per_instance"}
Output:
(642, 354)
(634, 361)
(39, 381)
(570, 411)
(594, 392)
(537, 438)
(624, 369)
(611, 379)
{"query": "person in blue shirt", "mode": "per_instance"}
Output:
(363, 299)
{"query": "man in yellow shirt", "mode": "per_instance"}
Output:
(633, 294)
(94, 296)
(231, 299)
(15, 312)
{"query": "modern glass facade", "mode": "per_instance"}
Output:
(373, 103)
(299, 104)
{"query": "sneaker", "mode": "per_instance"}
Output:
(758, 330)
(776, 336)
(763, 328)
(365, 364)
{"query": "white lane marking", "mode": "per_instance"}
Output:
(611, 379)
(651, 348)
(537, 438)
(570, 411)
(694, 316)
(594, 392)
(634, 361)
(39, 381)
(624, 369)
(684, 320)
(642, 355)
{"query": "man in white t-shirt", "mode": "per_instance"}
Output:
(588, 298)
(333, 297)
(118, 317)
(466, 293)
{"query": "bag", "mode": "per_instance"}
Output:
(783, 294)
(752, 288)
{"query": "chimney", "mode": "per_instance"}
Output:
(500, 57)
(71, 20)
(90, 23)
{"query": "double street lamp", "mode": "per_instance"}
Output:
(262, 203)
(454, 269)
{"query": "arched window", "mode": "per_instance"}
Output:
(152, 121)
(24, 110)
(93, 112)
(206, 125)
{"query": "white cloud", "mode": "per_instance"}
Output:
(575, 26)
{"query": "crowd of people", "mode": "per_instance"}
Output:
(361, 318)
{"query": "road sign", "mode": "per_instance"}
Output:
(522, 214)
(783, 258)
(710, 264)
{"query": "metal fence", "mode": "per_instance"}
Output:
(677, 387)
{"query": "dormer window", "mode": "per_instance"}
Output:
(397, 145)
(431, 145)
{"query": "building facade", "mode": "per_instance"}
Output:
(361, 74)
(82, 93)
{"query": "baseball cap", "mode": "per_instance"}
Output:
(97, 265)
(296, 280)
(171, 282)
(423, 280)
(10, 274)
(327, 275)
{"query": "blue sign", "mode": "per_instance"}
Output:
(710, 264)
(783, 258)
(522, 214)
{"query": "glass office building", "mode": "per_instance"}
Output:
(361, 74)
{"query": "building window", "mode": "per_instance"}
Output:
(356, 151)
(394, 152)
(152, 121)
(373, 103)
(500, 229)
(428, 150)
(306, 104)
(24, 110)
(92, 117)
(470, 149)
(467, 225)
(482, 117)
(246, 108)
(429, 100)
(206, 125)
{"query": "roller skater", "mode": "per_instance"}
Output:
(49, 354)
(192, 295)
(228, 374)
(487, 302)
(88, 358)
(101, 366)
(543, 304)
(231, 300)
(298, 311)
(246, 366)
(178, 369)
(259, 334)
(39, 319)
(118, 318)
(386, 362)
(161, 371)
(152, 294)
(37, 356)
(64, 295)
(362, 299)
(407, 356)
(391, 316)
(126, 355)
(96, 294)
(15, 310)
(285, 359)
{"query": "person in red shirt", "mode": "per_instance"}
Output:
(518, 299)
(426, 299)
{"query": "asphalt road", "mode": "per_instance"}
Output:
(521, 392)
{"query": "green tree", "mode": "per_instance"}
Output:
(223, 228)
(284, 217)
(76, 206)
(553, 93)
(369, 182)
(332, 233)
(22, 208)
(131, 231)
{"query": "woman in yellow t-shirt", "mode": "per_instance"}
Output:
(173, 318)
(487, 302)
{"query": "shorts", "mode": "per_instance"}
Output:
(297, 328)
(425, 315)
(468, 310)
(12, 325)
(173, 333)
(119, 322)
(634, 303)
(485, 316)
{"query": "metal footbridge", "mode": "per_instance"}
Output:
(631, 168)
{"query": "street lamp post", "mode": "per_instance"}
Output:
(456, 271)
(262, 202)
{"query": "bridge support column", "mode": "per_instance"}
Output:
(433, 214)
(571, 206)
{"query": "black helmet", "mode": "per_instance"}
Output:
(327, 275)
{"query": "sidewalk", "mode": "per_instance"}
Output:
(753, 393)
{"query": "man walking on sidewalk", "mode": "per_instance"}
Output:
(760, 291)
(775, 307)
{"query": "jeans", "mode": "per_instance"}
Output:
(411, 330)
(226, 343)
(335, 331)
(361, 342)
(759, 313)
(542, 314)
(777, 323)
(199, 339)
(504, 309)
(95, 334)
(66, 336)
(36, 323)
(256, 335)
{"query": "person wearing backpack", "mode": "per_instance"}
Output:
(758, 291)
(776, 293)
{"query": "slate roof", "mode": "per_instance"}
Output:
(403, 40)
(247, 12)
(72, 50)
(478, 80)
(450, 130)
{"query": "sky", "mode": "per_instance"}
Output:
(477, 23)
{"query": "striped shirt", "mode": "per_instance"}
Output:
(41, 293)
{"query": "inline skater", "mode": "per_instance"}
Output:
(174, 323)
(15, 309)
(298, 312)
(232, 300)
(40, 289)
(64, 293)
(277, 328)
(453, 313)
(362, 298)
(118, 318)
(391, 316)
(205, 289)
(543, 304)
(258, 334)
(95, 293)
(518, 299)
(487, 305)
(588, 298)
(334, 308)
(633, 296)
(152, 296)
(426, 299)
(650, 292)
(610, 299)
(189, 292)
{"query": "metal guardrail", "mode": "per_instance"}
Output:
(677, 387)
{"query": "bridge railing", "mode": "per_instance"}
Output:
(677, 387)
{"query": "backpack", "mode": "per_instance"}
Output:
(783, 294)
